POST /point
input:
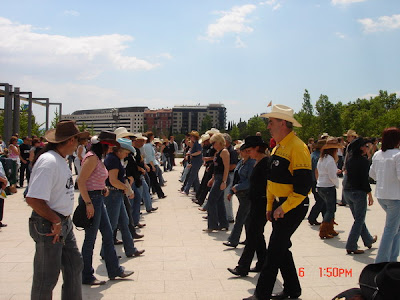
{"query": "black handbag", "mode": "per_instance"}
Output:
(80, 218)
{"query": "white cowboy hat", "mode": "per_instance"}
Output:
(122, 132)
(212, 131)
(283, 112)
(204, 138)
(139, 136)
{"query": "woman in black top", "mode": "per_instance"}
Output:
(355, 190)
(216, 207)
(257, 218)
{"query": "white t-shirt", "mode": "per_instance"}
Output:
(51, 181)
(327, 172)
(385, 169)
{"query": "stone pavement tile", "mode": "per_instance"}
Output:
(332, 291)
(204, 274)
(9, 289)
(233, 283)
(225, 295)
(164, 275)
(167, 296)
(187, 265)
(187, 286)
(125, 287)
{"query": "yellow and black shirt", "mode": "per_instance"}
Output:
(290, 174)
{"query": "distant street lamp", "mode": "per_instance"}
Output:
(115, 116)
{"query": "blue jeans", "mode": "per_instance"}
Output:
(216, 206)
(193, 177)
(390, 242)
(145, 194)
(118, 216)
(51, 258)
(357, 201)
(241, 216)
(135, 204)
(319, 206)
(159, 175)
(100, 222)
(228, 204)
(328, 194)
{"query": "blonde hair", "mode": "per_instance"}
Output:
(218, 138)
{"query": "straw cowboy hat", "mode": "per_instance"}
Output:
(157, 140)
(331, 142)
(212, 131)
(283, 112)
(350, 132)
(195, 134)
(320, 143)
(204, 138)
(64, 131)
(140, 136)
(121, 132)
(238, 145)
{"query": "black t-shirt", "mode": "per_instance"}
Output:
(233, 156)
(113, 162)
(24, 150)
(132, 169)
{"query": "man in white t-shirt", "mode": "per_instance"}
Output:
(51, 196)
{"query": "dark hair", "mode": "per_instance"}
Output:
(49, 146)
(99, 149)
(35, 140)
(330, 151)
(149, 134)
(390, 138)
(13, 139)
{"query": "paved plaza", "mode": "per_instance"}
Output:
(182, 262)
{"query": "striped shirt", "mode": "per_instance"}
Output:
(96, 180)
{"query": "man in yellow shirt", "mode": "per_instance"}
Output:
(287, 203)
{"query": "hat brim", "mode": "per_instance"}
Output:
(50, 136)
(282, 116)
(109, 142)
(246, 146)
(124, 134)
(127, 147)
(332, 146)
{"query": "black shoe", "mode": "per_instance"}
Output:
(229, 244)
(242, 243)
(237, 272)
(95, 282)
(151, 210)
(341, 204)
(231, 221)
(255, 270)
(162, 197)
(118, 242)
(124, 274)
(284, 295)
(137, 253)
(314, 222)
(3, 225)
(137, 236)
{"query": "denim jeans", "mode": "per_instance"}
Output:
(145, 194)
(357, 201)
(328, 194)
(390, 242)
(118, 216)
(216, 206)
(193, 178)
(228, 204)
(100, 222)
(159, 175)
(51, 258)
(135, 204)
(184, 174)
(241, 216)
(319, 206)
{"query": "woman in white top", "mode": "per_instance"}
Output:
(80, 154)
(327, 183)
(385, 169)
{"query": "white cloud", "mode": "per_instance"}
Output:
(340, 35)
(73, 13)
(232, 21)
(381, 24)
(345, 2)
(86, 56)
(277, 6)
(274, 3)
(239, 43)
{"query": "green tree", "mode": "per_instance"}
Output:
(254, 125)
(206, 123)
(307, 119)
(235, 133)
(328, 117)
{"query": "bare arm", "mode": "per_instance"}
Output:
(113, 177)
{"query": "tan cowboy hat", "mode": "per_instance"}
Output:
(350, 132)
(320, 143)
(204, 138)
(332, 142)
(195, 134)
(64, 130)
(238, 145)
(324, 135)
(212, 131)
(140, 136)
(122, 132)
(283, 112)
(157, 140)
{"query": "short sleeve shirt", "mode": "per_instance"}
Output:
(113, 162)
(195, 148)
(51, 181)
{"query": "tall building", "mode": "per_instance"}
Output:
(188, 118)
(110, 118)
(159, 120)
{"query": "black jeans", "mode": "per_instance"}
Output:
(24, 168)
(319, 206)
(255, 242)
(279, 257)
(155, 185)
(201, 194)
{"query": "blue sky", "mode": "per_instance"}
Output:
(94, 54)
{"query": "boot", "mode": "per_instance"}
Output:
(332, 231)
(324, 231)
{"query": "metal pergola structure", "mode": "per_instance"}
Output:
(12, 101)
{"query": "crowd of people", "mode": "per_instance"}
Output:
(119, 171)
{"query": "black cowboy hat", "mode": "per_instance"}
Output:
(253, 141)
